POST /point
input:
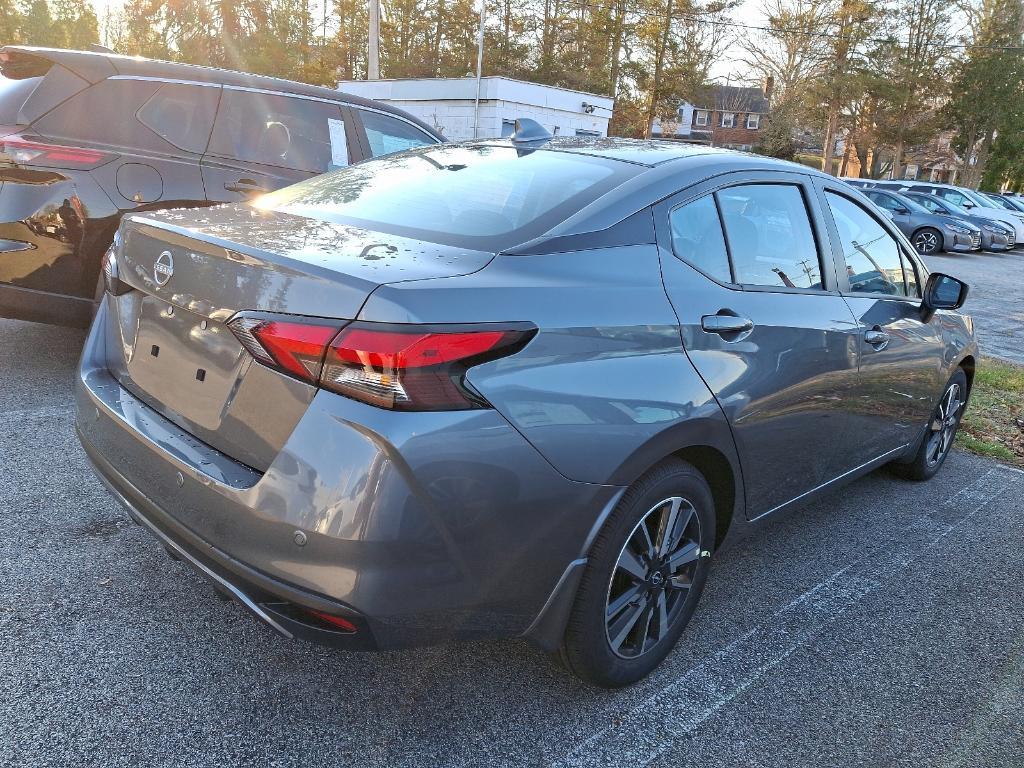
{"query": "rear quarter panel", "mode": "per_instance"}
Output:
(604, 390)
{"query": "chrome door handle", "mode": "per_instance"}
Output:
(876, 337)
(726, 324)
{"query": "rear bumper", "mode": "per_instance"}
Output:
(419, 527)
(271, 601)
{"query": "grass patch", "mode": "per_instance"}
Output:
(994, 423)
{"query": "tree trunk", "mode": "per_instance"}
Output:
(436, 47)
(897, 160)
(616, 48)
(828, 149)
(659, 66)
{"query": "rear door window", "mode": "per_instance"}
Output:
(106, 114)
(182, 114)
(770, 237)
(282, 131)
(874, 262)
(385, 134)
(698, 240)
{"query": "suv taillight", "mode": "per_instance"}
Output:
(398, 367)
(22, 151)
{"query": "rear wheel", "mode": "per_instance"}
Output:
(940, 433)
(643, 579)
(927, 241)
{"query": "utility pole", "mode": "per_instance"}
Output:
(373, 65)
(479, 71)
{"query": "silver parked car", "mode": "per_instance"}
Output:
(929, 232)
(521, 387)
(994, 235)
(1008, 202)
(975, 202)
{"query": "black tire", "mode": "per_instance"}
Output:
(939, 433)
(667, 602)
(928, 241)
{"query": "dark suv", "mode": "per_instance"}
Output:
(86, 137)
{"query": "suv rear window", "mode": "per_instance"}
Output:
(490, 197)
(182, 115)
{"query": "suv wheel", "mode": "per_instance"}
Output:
(940, 433)
(644, 577)
(928, 241)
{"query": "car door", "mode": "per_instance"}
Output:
(763, 323)
(900, 356)
(263, 141)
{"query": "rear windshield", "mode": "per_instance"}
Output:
(486, 197)
(13, 94)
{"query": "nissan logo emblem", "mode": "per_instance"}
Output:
(163, 268)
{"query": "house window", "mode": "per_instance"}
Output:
(728, 119)
(753, 122)
(582, 132)
(700, 118)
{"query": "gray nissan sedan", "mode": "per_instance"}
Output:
(522, 387)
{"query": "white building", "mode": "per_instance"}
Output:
(447, 104)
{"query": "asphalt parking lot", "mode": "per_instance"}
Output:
(883, 626)
(996, 300)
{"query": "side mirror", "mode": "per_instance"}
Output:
(967, 204)
(943, 292)
(902, 211)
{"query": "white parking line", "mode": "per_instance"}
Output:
(647, 732)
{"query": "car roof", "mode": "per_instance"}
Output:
(95, 66)
(650, 153)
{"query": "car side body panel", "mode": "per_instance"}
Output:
(604, 380)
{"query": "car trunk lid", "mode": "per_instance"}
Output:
(187, 273)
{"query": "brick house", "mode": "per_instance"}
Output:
(731, 117)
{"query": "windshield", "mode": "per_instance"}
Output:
(912, 204)
(487, 197)
(974, 197)
(938, 205)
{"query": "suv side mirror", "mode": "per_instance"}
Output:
(902, 211)
(943, 292)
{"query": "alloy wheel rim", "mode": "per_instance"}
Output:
(652, 577)
(926, 242)
(943, 425)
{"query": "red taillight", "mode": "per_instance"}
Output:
(399, 367)
(411, 367)
(296, 348)
(336, 622)
(22, 151)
